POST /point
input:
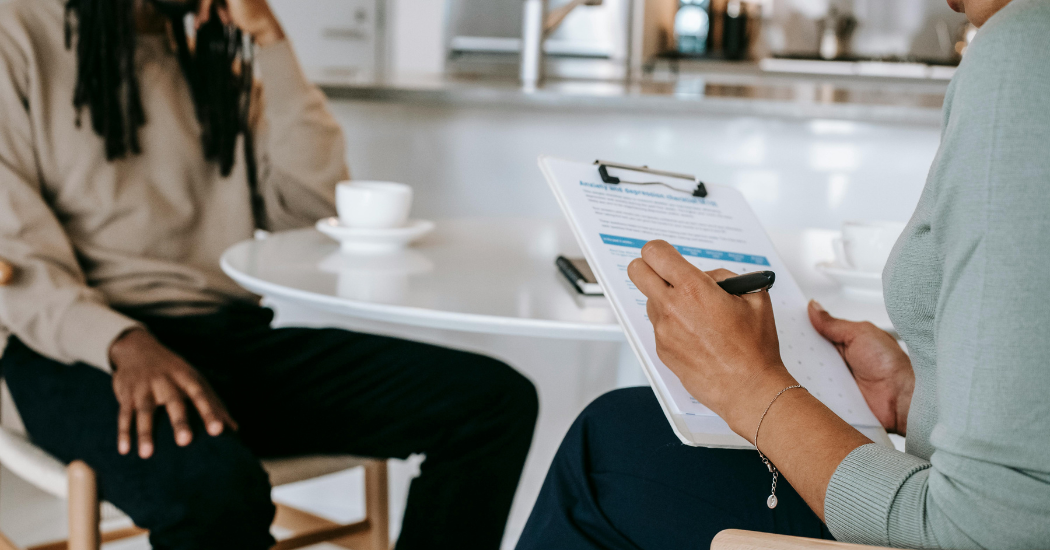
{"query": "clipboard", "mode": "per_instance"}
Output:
(612, 221)
(699, 189)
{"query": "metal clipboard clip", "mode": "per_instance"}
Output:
(603, 170)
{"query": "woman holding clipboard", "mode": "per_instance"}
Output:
(965, 290)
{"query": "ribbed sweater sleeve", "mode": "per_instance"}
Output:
(858, 501)
(979, 247)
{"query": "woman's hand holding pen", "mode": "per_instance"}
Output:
(723, 348)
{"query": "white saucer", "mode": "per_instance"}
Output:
(863, 285)
(371, 241)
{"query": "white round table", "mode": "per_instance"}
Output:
(492, 276)
(487, 276)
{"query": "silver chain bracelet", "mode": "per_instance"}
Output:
(772, 500)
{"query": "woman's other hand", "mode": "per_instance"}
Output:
(251, 16)
(723, 348)
(882, 369)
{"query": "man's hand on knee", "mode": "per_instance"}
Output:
(147, 375)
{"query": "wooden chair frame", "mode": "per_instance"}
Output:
(735, 539)
(371, 533)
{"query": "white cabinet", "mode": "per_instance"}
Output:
(335, 39)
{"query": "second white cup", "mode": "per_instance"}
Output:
(373, 204)
(865, 246)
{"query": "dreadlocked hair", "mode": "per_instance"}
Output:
(217, 68)
(105, 71)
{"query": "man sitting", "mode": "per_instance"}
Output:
(133, 151)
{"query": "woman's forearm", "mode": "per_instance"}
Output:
(801, 436)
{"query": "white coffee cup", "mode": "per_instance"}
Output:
(865, 246)
(373, 204)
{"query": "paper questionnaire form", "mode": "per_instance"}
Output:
(613, 222)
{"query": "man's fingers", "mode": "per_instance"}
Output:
(167, 394)
(203, 12)
(647, 281)
(124, 429)
(144, 428)
(228, 419)
(177, 414)
(224, 15)
(668, 263)
(207, 409)
(212, 412)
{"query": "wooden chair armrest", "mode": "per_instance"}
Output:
(6, 544)
(7, 273)
(735, 539)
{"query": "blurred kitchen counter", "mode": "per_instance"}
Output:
(744, 91)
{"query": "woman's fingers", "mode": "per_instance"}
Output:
(759, 301)
(647, 281)
(651, 312)
(720, 274)
(669, 264)
(837, 331)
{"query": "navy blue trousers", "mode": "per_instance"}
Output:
(623, 480)
(294, 391)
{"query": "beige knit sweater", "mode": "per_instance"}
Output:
(87, 236)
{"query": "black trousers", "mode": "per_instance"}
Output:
(293, 392)
(623, 480)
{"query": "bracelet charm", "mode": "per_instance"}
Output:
(771, 501)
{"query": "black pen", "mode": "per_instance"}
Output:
(748, 282)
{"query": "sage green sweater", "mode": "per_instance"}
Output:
(967, 288)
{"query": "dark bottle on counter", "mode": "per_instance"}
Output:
(735, 39)
(692, 24)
